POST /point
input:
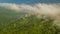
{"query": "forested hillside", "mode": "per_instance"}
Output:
(29, 19)
(13, 23)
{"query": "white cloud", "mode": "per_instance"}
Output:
(46, 9)
(52, 10)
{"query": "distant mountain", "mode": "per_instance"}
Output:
(9, 16)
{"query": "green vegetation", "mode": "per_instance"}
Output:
(11, 23)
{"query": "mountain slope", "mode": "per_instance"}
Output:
(30, 25)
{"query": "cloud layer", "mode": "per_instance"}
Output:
(52, 10)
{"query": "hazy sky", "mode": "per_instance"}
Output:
(29, 1)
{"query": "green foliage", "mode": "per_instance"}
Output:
(30, 25)
(12, 23)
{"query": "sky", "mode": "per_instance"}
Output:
(29, 1)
